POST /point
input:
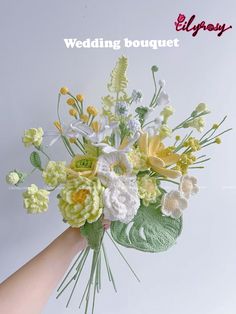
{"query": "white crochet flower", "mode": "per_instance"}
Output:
(188, 185)
(121, 200)
(113, 165)
(173, 204)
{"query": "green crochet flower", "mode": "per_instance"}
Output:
(55, 173)
(80, 201)
(33, 137)
(148, 189)
(35, 199)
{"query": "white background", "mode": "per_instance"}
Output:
(198, 275)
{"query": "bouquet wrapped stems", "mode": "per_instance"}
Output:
(94, 281)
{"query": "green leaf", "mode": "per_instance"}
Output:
(149, 231)
(35, 160)
(118, 76)
(93, 233)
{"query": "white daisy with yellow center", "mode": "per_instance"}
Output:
(113, 165)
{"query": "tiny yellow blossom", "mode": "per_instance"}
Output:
(80, 97)
(58, 125)
(96, 126)
(92, 111)
(64, 90)
(177, 138)
(70, 101)
(73, 112)
(218, 140)
(72, 140)
(193, 143)
(215, 126)
(84, 118)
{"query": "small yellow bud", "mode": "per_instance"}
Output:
(84, 118)
(92, 110)
(80, 97)
(58, 125)
(177, 138)
(73, 112)
(70, 101)
(218, 140)
(64, 90)
(95, 126)
(215, 126)
(72, 140)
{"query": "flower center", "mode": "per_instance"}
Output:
(80, 196)
(118, 168)
(172, 204)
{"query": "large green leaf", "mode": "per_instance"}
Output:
(149, 231)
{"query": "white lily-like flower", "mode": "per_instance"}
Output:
(79, 128)
(119, 146)
(188, 185)
(163, 99)
(113, 165)
(173, 204)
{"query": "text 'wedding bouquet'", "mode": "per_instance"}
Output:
(118, 167)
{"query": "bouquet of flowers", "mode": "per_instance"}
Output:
(120, 160)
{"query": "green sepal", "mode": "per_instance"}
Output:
(94, 233)
(149, 231)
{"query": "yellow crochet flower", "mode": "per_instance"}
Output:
(80, 201)
(158, 157)
(33, 137)
(148, 190)
(55, 173)
(35, 199)
(82, 165)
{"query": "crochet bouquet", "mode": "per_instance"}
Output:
(122, 159)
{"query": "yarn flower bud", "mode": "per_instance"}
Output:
(33, 136)
(64, 90)
(166, 113)
(12, 178)
(35, 199)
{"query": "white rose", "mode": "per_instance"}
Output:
(121, 200)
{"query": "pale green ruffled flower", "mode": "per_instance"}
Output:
(138, 160)
(35, 199)
(148, 189)
(33, 137)
(80, 201)
(166, 113)
(201, 108)
(12, 178)
(55, 173)
(165, 131)
(197, 124)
